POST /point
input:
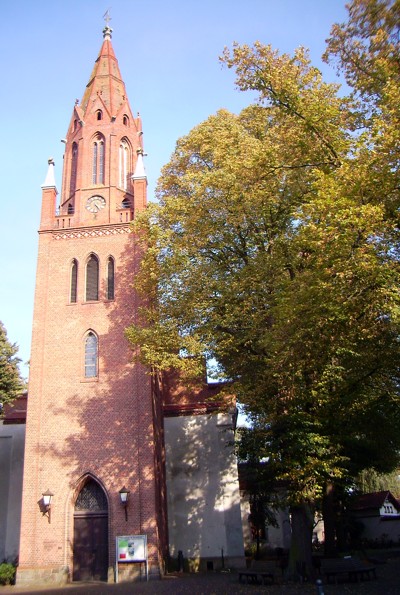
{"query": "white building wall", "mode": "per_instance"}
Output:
(204, 519)
(276, 537)
(12, 442)
(381, 529)
(280, 536)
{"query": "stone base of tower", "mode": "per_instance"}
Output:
(55, 576)
(59, 576)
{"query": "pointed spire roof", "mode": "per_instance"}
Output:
(50, 181)
(105, 80)
(140, 172)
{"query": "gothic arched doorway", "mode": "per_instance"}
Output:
(90, 534)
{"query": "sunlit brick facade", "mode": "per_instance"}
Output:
(91, 413)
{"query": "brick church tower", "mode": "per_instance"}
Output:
(92, 424)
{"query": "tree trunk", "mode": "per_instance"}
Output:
(328, 512)
(342, 538)
(300, 555)
(258, 544)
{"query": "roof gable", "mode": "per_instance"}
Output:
(375, 500)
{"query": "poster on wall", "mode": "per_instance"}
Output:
(131, 548)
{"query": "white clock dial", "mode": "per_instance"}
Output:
(95, 203)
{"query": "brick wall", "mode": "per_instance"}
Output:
(76, 426)
(102, 427)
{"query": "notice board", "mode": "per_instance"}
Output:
(131, 549)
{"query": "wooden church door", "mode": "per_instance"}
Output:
(90, 534)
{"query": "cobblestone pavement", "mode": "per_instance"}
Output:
(387, 583)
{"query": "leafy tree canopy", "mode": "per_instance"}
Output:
(274, 249)
(370, 481)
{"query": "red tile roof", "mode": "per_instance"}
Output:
(15, 412)
(374, 500)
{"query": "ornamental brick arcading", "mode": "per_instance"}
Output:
(90, 233)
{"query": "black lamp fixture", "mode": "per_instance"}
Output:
(124, 495)
(46, 499)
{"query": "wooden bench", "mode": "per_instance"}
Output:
(259, 571)
(352, 569)
(249, 575)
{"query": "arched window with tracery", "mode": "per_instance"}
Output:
(91, 498)
(110, 278)
(74, 163)
(98, 160)
(91, 355)
(74, 282)
(92, 278)
(124, 159)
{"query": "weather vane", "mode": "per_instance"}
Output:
(107, 17)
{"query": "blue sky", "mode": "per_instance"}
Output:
(168, 56)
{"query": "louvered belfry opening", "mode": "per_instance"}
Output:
(74, 165)
(92, 279)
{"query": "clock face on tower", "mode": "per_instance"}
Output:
(95, 203)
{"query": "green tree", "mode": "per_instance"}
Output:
(274, 250)
(11, 383)
(366, 51)
(370, 481)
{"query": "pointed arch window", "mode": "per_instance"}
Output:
(74, 163)
(125, 120)
(98, 160)
(101, 163)
(92, 279)
(124, 159)
(91, 355)
(94, 163)
(99, 114)
(110, 278)
(74, 282)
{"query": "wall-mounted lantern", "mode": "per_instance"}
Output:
(124, 496)
(46, 499)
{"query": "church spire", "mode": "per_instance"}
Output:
(105, 80)
(103, 146)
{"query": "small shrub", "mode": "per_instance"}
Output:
(7, 574)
